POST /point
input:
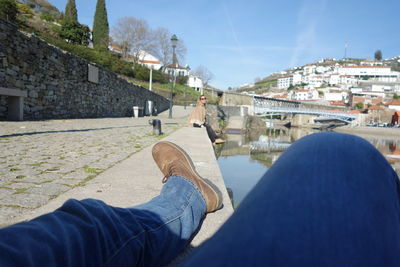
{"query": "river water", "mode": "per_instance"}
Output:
(243, 159)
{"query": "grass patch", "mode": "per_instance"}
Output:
(43, 182)
(5, 187)
(160, 136)
(137, 146)
(54, 169)
(20, 190)
(38, 164)
(87, 169)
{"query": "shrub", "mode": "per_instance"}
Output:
(75, 32)
(359, 105)
(25, 10)
(47, 17)
(8, 10)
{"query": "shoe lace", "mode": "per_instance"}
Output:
(166, 177)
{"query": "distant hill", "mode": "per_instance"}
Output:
(270, 82)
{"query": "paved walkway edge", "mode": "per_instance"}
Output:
(137, 179)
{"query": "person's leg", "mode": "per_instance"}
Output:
(330, 200)
(92, 233)
(195, 125)
(211, 134)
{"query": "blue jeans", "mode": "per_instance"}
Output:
(330, 200)
(92, 233)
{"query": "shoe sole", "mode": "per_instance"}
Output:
(192, 167)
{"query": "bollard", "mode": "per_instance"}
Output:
(156, 126)
(136, 111)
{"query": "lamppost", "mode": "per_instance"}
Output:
(184, 91)
(174, 41)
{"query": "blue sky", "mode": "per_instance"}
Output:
(240, 40)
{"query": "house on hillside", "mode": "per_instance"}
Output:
(285, 82)
(394, 104)
(305, 95)
(378, 73)
(176, 70)
(195, 82)
(149, 61)
(365, 99)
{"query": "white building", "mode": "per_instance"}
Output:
(378, 73)
(315, 81)
(149, 60)
(196, 83)
(394, 105)
(322, 69)
(305, 95)
(309, 69)
(285, 82)
(297, 78)
(336, 96)
(176, 69)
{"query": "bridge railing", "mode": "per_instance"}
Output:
(260, 111)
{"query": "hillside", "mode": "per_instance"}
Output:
(270, 82)
(45, 21)
(42, 6)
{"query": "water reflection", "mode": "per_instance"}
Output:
(243, 159)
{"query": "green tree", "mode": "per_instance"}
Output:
(378, 55)
(100, 25)
(71, 12)
(75, 32)
(24, 11)
(359, 105)
(396, 96)
(8, 10)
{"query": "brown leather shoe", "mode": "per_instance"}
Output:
(219, 141)
(174, 161)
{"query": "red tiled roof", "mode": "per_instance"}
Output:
(381, 67)
(175, 66)
(337, 103)
(150, 61)
(376, 107)
(394, 102)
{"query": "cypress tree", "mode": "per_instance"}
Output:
(100, 25)
(71, 14)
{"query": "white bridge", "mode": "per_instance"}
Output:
(264, 106)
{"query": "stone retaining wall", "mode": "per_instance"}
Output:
(58, 83)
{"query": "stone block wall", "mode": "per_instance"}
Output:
(57, 82)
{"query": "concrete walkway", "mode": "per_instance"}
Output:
(137, 179)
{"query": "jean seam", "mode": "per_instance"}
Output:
(112, 256)
(196, 188)
(181, 211)
(176, 217)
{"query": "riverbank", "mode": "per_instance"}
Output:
(382, 132)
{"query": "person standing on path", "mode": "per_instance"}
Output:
(198, 119)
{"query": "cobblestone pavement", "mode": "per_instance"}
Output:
(40, 160)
